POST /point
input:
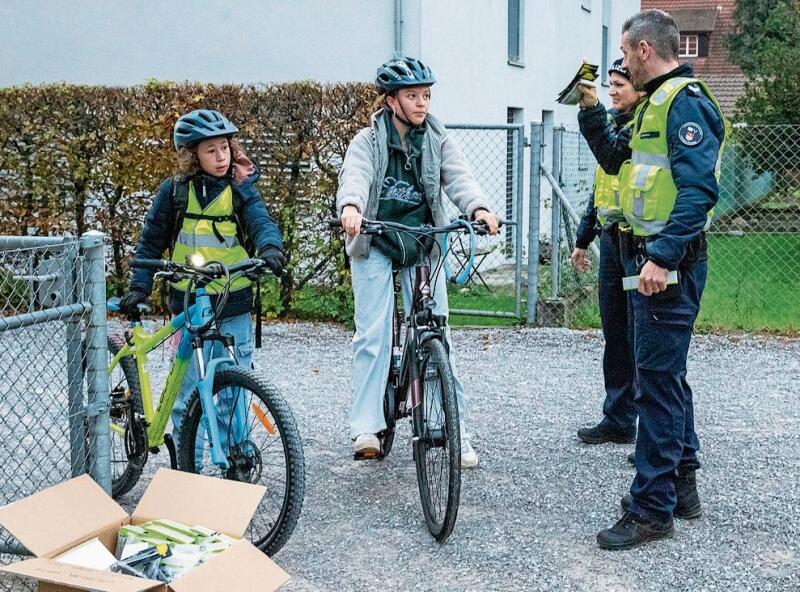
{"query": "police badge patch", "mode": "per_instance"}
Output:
(690, 133)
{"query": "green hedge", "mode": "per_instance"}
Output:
(75, 158)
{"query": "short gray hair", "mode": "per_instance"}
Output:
(658, 29)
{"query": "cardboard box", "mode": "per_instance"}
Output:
(55, 520)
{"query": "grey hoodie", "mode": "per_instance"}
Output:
(444, 170)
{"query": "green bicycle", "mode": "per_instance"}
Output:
(236, 425)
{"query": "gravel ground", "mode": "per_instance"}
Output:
(530, 512)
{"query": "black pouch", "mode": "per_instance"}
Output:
(697, 250)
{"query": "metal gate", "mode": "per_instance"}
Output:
(54, 421)
(495, 154)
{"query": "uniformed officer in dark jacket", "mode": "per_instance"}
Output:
(603, 217)
(669, 171)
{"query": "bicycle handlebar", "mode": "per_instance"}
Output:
(214, 270)
(379, 227)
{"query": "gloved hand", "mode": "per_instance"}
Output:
(274, 258)
(130, 301)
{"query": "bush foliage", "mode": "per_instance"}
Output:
(75, 158)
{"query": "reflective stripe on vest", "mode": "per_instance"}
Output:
(648, 191)
(606, 194)
(211, 234)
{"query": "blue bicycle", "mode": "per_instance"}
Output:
(236, 425)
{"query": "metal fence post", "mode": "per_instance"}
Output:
(97, 409)
(74, 352)
(517, 230)
(555, 226)
(534, 194)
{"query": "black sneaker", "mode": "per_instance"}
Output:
(632, 531)
(688, 505)
(600, 434)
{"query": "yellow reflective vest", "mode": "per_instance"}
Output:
(606, 193)
(211, 234)
(647, 190)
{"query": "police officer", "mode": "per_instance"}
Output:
(669, 172)
(604, 217)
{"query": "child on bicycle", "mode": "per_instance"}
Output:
(396, 170)
(208, 209)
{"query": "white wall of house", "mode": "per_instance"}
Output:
(465, 41)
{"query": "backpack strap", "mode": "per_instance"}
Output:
(180, 201)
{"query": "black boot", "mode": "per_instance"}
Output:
(688, 506)
(600, 434)
(632, 531)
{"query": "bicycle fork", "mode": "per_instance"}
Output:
(205, 388)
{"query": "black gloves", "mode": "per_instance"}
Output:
(274, 258)
(129, 302)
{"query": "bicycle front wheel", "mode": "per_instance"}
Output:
(262, 446)
(437, 446)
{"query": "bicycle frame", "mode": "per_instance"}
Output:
(140, 344)
(421, 325)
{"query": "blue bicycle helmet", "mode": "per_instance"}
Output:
(201, 124)
(402, 72)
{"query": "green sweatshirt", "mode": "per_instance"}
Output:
(402, 196)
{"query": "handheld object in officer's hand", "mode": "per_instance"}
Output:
(587, 73)
(631, 282)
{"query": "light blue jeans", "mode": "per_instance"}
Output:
(240, 327)
(373, 291)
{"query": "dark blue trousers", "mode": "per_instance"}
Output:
(666, 443)
(619, 410)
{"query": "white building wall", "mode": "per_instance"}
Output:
(125, 42)
(465, 41)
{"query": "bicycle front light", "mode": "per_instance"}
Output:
(196, 260)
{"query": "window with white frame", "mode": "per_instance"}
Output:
(689, 46)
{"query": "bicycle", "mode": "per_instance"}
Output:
(420, 384)
(236, 425)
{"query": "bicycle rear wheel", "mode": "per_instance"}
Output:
(262, 446)
(437, 446)
(128, 432)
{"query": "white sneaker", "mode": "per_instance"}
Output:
(469, 460)
(366, 446)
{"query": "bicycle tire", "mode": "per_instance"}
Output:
(272, 539)
(135, 430)
(390, 413)
(435, 371)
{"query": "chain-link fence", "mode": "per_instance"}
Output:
(493, 287)
(754, 240)
(54, 421)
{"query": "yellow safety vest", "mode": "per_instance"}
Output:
(647, 190)
(211, 234)
(606, 194)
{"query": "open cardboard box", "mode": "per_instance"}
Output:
(53, 521)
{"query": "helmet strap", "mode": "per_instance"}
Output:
(400, 114)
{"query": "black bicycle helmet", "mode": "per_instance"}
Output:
(201, 124)
(619, 69)
(402, 72)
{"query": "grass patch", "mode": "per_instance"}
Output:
(753, 285)
(479, 298)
